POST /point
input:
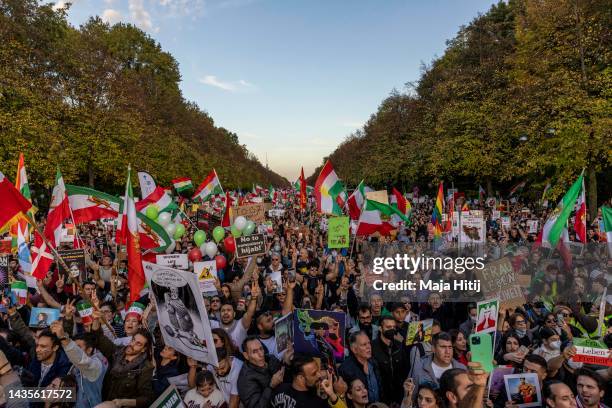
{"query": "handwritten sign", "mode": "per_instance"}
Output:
(592, 352)
(251, 245)
(253, 212)
(498, 280)
(178, 261)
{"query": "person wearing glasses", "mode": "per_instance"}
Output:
(518, 326)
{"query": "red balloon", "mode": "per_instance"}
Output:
(195, 255)
(229, 244)
(221, 261)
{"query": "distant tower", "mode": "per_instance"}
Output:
(267, 167)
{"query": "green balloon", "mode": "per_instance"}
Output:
(199, 238)
(152, 212)
(218, 234)
(235, 232)
(249, 229)
(180, 231)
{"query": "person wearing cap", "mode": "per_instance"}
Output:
(131, 324)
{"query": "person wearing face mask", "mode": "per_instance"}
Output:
(392, 360)
(518, 325)
(551, 344)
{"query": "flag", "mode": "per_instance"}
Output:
(398, 200)
(85, 310)
(517, 188)
(370, 220)
(355, 201)
(580, 217)
(606, 213)
(136, 277)
(329, 191)
(59, 210)
(147, 184)
(557, 221)
(481, 194)
(302, 190)
(545, 191)
(19, 292)
(21, 184)
(91, 205)
(209, 187)
(272, 193)
(23, 252)
(182, 185)
(436, 216)
(42, 259)
(227, 215)
(158, 198)
(13, 204)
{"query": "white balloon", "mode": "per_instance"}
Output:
(171, 247)
(164, 219)
(211, 249)
(240, 222)
(170, 229)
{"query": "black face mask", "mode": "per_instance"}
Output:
(389, 334)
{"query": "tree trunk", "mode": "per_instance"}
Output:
(489, 187)
(90, 172)
(591, 193)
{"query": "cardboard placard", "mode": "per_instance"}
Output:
(254, 212)
(251, 245)
(338, 232)
(488, 311)
(178, 261)
(498, 280)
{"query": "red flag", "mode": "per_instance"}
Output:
(580, 220)
(13, 204)
(136, 276)
(302, 190)
(42, 258)
(228, 208)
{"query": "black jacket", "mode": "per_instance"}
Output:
(393, 364)
(254, 383)
(352, 369)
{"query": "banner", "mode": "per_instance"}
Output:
(251, 245)
(591, 352)
(486, 320)
(206, 272)
(169, 399)
(338, 232)
(178, 261)
(253, 212)
(498, 280)
(181, 313)
(147, 184)
(75, 260)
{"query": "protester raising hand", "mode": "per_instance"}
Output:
(69, 309)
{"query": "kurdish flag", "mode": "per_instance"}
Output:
(398, 201)
(356, 200)
(209, 187)
(370, 220)
(91, 205)
(436, 216)
(182, 185)
(329, 191)
(557, 221)
(13, 205)
(19, 292)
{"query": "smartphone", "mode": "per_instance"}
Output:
(560, 319)
(482, 350)
(523, 350)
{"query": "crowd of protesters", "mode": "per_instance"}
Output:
(119, 359)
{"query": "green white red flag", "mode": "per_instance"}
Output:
(59, 210)
(136, 276)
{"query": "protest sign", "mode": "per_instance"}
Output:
(283, 332)
(254, 212)
(591, 352)
(181, 313)
(505, 221)
(319, 333)
(206, 272)
(170, 398)
(43, 316)
(472, 227)
(380, 196)
(75, 260)
(532, 226)
(497, 379)
(495, 215)
(523, 389)
(276, 212)
(486, 320)
(178, 261)
(419, 331)
(4, 263)
(338, 232)
(251, 245)
(498, 280)
(68, 233)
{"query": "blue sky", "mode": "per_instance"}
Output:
(292, 78)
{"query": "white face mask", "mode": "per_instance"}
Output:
(555, 345)
(574, 364)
